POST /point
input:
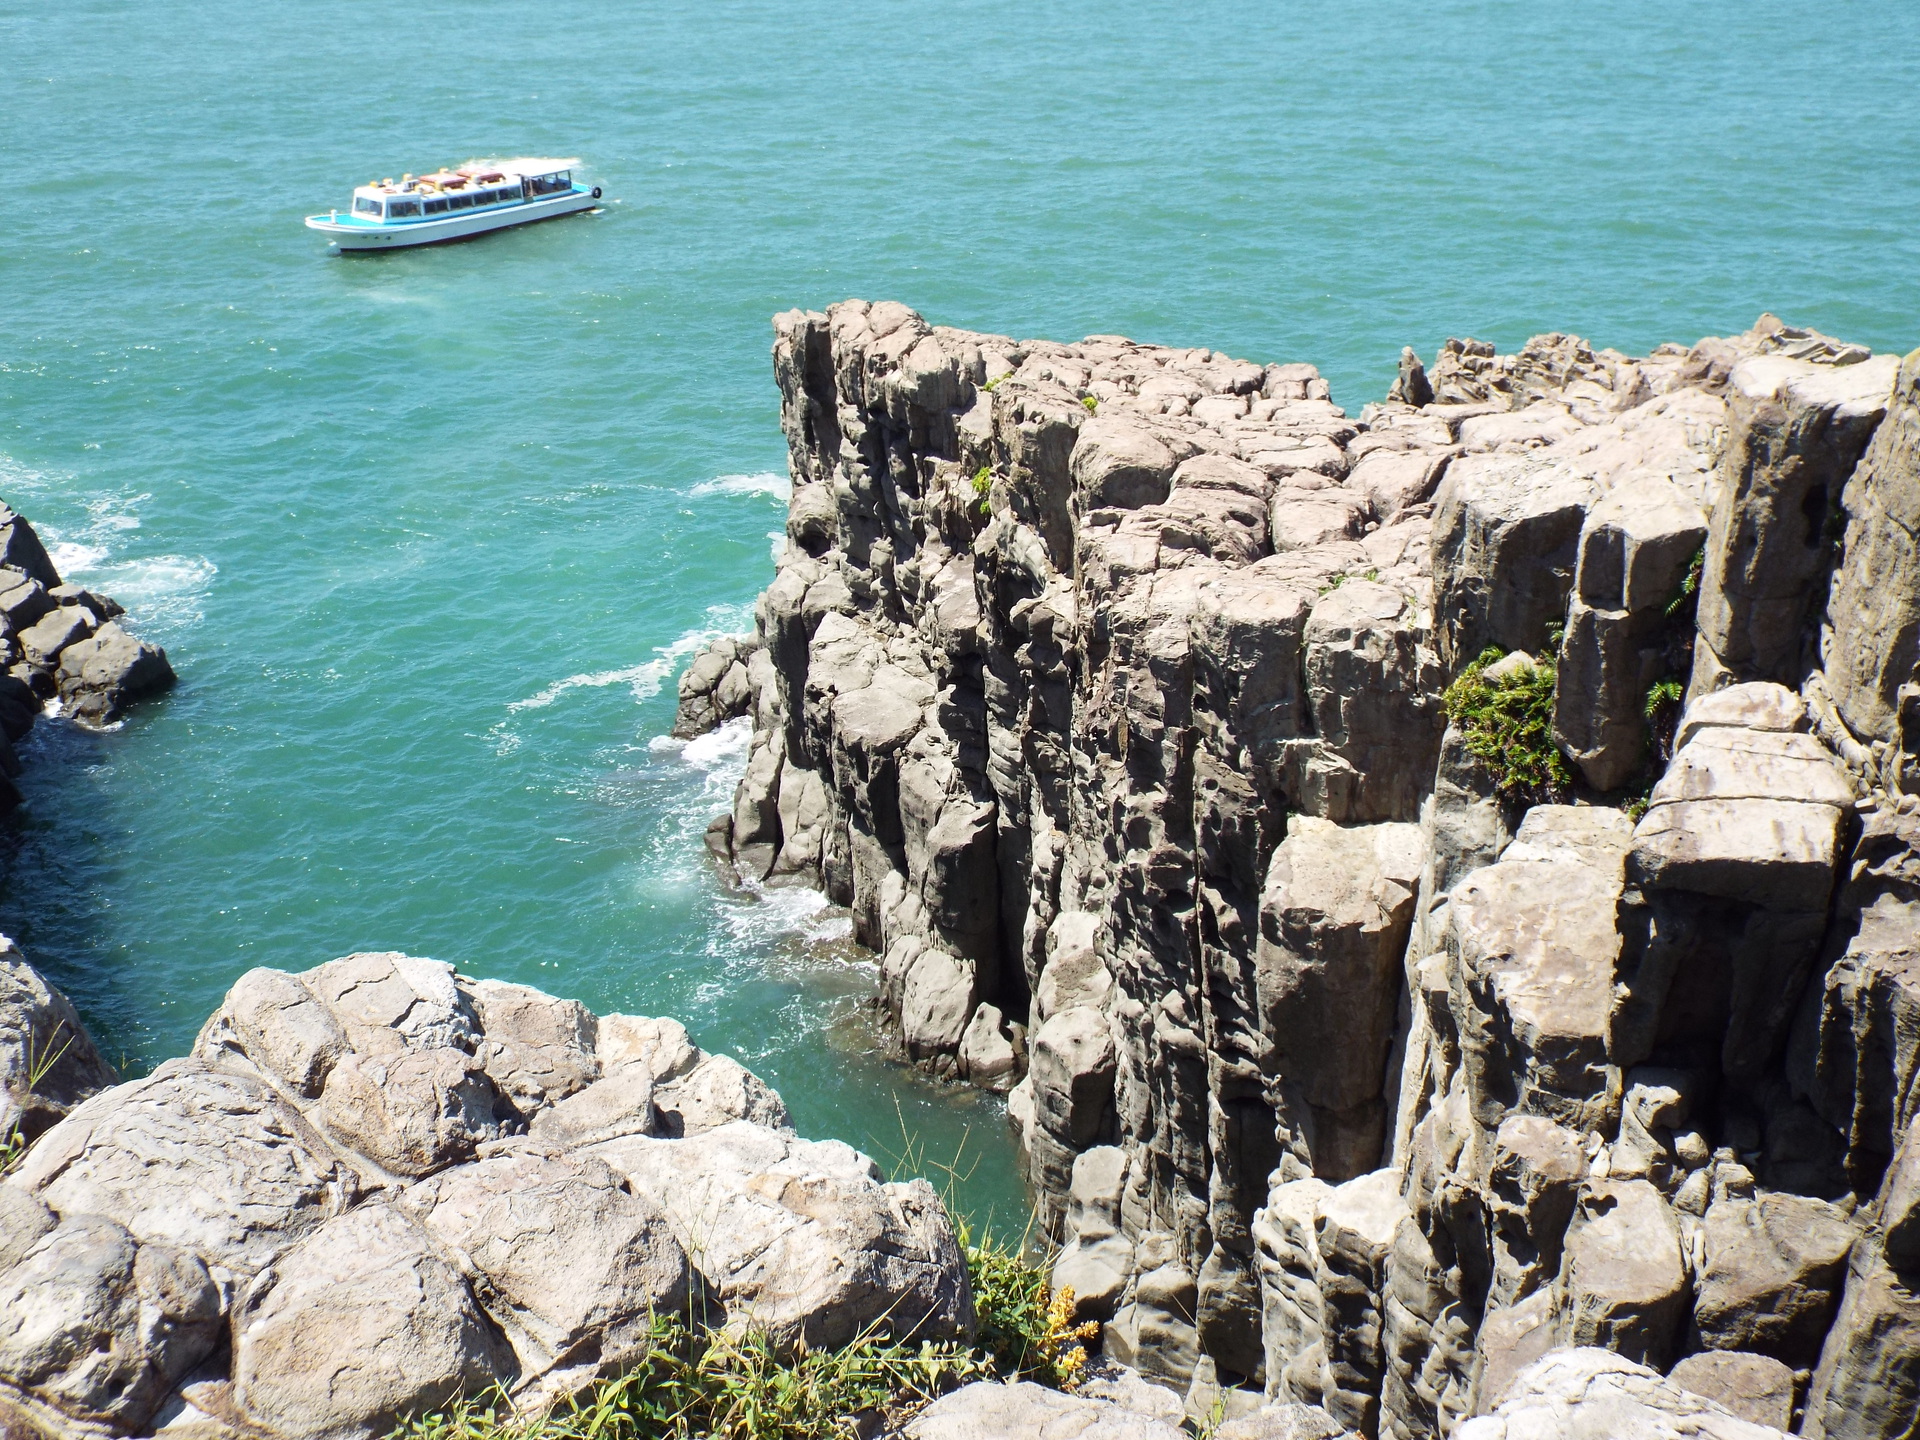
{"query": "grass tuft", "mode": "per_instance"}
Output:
(723, 1386)
(42, 1056)
(1508, 726)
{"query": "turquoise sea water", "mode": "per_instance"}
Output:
(428, 535)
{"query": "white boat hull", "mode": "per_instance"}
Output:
(348, 233)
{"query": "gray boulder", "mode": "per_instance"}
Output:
(570, 1264)
(619, 1104)
(1797, 430)
(1772, 1277)
(660, 1046)
(1532, 1184)
(102, 674)
(990, 1410)
(1856, 1049)
(1286, 1421)
(1096, 1260)
(1508, 1342)
(360, 1325)
(1747, 815)
(210, 1161)
(1120, 464)
(1591, 1392)
(718, 1090)
(1635, 547)
(1874, 605)
(21, 550)
(538, 1048)
(271, 1020)
(1623, 1285)
(1334, 918)
(386, 1003)
(1754, 1387)
(1532, 948)
(411, 1114)
(802, 1238)
(23, 1220)
(1867, 1384)
(101, 1326)
(1356, 1224)
(44, 641)
(1506, 531)
(990, 1051)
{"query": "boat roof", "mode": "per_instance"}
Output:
(518, 168)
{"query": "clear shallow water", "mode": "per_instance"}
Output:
(428, 535)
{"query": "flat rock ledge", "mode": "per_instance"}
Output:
(378, 1184)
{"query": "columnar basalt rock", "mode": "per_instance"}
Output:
(1113, 674)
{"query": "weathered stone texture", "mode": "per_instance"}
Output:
(573, 1178)
(1116, 690)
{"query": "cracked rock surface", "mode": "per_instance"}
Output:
(1104, 684)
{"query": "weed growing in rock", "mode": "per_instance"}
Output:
(727, 1387)
(1092, 403)
(1689, 595)
(41, 1058)
(982, 487)
(1507, 722)
(1026, 1327)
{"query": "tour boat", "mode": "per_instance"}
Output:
(454, 204)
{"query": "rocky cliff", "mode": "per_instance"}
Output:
(1438, 883)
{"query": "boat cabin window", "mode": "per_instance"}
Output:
(365, 205)
(551, 184)
(460, 202)
(402, 209)
(436, 207)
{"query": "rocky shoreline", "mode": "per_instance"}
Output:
(1379, 1018)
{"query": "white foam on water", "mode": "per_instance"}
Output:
(644, 680)
(764, 483)
(160, 592)
(71, 557)
(791, 912)
(779, 539)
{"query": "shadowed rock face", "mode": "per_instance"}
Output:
(390, 1185)
(1111, 676)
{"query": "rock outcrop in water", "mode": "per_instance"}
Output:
(1364, 1056)
(378, 1185)
(59, 640)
